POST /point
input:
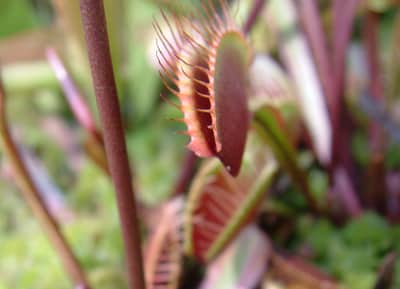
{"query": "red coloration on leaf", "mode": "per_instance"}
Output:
(204, 63)
(163, 258)
(216, 205)
(231, 101)
(219, 205)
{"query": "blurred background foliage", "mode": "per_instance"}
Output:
(43, 122)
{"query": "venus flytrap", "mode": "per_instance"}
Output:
(244, 111)
(164, 252)
(205, 65)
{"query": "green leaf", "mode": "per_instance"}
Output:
(370, 230)
(15, 16)
(270, 126)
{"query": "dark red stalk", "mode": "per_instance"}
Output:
(376, 186)
(393, 197)
(371, 40)
(343, 15)
(344, 190)
(187, 171)
(375, 193)
(311, 21)
(94, 24)
(257, 8)
(33, 197)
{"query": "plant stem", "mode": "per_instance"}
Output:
(74, 98)
(371, 40)
(33, 196)
(94, 25)
(266, 123)
(257, 8)
(343, 15)
(187, 171)
(343, 189)
(94, 144)
(376, 191)
(311, 20)
(297, 57)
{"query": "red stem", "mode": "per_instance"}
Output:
(74, 98)
(186, 173)
(311, 21)
(258, 6)
(333, 87)
(343, 14)
(376, 192)
(94, 24)
(94, 144)
(344, 190)
(371, 40)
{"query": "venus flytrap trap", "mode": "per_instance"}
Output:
(192, 234)
(220, 205)
(205, 64)
(164, 252)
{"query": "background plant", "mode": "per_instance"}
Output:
(323, 140)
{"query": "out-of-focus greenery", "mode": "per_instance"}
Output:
(16, 16)
(352, 253)
(29, 261)
(27, 258)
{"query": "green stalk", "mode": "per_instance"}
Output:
(269, 129)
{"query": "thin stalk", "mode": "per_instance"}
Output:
(255, 11)
(33, 196)
(343, 15)
(371, 40)
(323, 59)
(95, 30)
(94, 144)
(297, 57)
(311, 21)
(376, 190)
(74, 98)
(344, 191)
(188, 168)
(267, 125)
